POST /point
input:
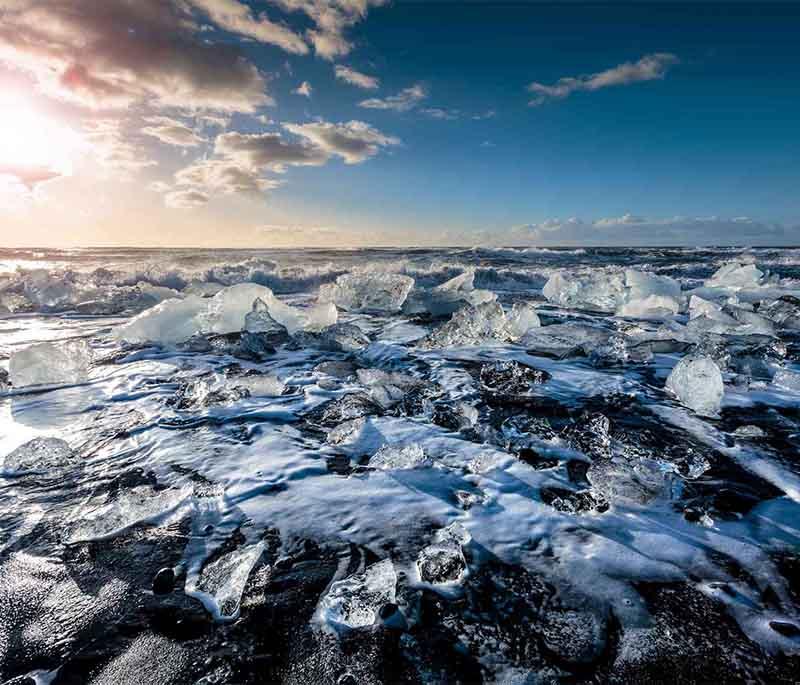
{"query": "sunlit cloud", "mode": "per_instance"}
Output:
(648, 68)
(304, 89)
(172, 132)
(356, 78)
(354, 141)
(405, 100)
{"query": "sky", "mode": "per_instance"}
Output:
(259, 123)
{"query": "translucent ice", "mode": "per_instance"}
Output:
(400, 457)
(224, 579)
(447, 297)
(443, 561)
(129, 507)
(648, 296)
(736, 274)
(341, 337)
(561, 340)
(387, 389)
(784, 311)
(701, 307)
(259, 320)
(354, 602)
(471, 326)
(40, 455)
(789, 380)
(368, 292)
(696, 382)
(170, 321)
(51, 364)
(596, 290)
(522, 318)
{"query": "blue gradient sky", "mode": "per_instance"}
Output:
(707, 151)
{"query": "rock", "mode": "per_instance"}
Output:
(511, 379)
(164, 581)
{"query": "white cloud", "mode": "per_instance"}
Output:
(332, 18)
(114, 147)
(304, 89)
(441, 113)
(405, 100)
(185, 199)
(353, 141)
(356, 78)
(236, 17)
(648, 68)
(172, 132)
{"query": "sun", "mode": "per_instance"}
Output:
(34, 147)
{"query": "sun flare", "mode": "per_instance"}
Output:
(34, 147)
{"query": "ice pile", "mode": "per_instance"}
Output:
(400, 457)
(380, 293)
(696, 382)
(223, 580)
(356, 601)
(633, 293)
(51, 364)
(447, 297)
(177, 320)
(443, 562)
(40, 455)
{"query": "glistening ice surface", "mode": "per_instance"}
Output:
(416, 466)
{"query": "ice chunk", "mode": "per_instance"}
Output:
(354, 602)
(443, 561)
(696, 381)
(522, 318)
(735, 275)
(562, 340)
(368, 292)
(259, 320)
(448, 297)
(3, 380)
(341, 337)
(784, 311)
(51, 364)
(650, 307)
(260, 385)
(345, 408)
(511, 379)
(169, 322)
(140, 504)
(203, 288)
(648, 296)
(749, 432)
(387, 389)
(596, 290)
(213, 389)
(227, 310)
(223, 580)
(400, 457)
(789, 380)
(701, 307)
(40, 455)
(471, 326)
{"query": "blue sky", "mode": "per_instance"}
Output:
(679, 124)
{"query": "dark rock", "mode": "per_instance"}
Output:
(164, 581)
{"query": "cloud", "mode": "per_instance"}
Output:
(629, 229)
(115, 54)
(304, 89)
(354, 141)
(488, 114)
(115, 149)
(242, 159)
(268, 151)
(290, 231)
(356, 78)
(28, 175)
(172, 132)
(405, 100)
(185, 199)
(441, 113)
(236, 17)
(648, 68)
(332, 18)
